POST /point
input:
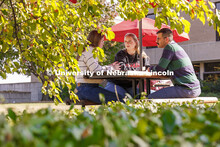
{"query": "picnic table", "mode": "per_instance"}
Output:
(134, 76)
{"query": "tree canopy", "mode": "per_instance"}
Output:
(41, 36)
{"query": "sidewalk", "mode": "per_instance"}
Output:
(33, 107)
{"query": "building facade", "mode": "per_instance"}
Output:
(203, 49)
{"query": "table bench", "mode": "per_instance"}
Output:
(133, 76)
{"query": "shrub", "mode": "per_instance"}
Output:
(117, 124)
(210, 86)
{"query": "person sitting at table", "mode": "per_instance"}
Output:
(89, 89)
(175, 59)
(129, 60)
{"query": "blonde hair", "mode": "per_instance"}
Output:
(134, 37)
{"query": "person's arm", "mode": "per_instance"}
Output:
(93, 64)
(121, 58)
(165, 60)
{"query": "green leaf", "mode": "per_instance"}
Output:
(16, 64)
(8, 70)
(56, 102)
(3, 75)
(33, 26)
(159, 132)
(168, 119)
(12, 115)
(142, 126)
(14, 70)
(5, 47)
(102, 98)
(80, 49)
(71, 107)
(179, 29)
(4, 11)
(72, 49)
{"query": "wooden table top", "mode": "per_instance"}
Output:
(126, 74)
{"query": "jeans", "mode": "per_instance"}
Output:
(175, 92)
(87, 91)
(120, 90)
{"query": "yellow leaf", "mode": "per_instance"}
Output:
(159, 132)
(193, 3)
(212, 5)
(59, 65)
(202, 17)
(186, 25)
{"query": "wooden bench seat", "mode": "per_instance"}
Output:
(177, 100)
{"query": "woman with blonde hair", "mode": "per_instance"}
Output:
(128, 58)
(89, 89)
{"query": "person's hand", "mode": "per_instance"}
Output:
(116, 65)
(148, 69)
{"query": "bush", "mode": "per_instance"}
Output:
(210, 86)
(210, 94)
(111, 48)
(140, 124)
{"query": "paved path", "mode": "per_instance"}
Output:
(33, 107)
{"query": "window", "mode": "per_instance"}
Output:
(217, 34)
(211, 77)
(152, 16)
(212, 71)
(212, 67)
(197, 70)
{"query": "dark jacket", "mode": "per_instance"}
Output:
(127, 62)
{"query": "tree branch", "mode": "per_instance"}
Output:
(15, 26)
(52, 34)
(2, 3)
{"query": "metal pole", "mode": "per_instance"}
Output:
(140, 44)
(141, 82)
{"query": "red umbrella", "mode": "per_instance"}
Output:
(73, 1)
(148, 31)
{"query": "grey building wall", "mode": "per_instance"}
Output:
(21, 92)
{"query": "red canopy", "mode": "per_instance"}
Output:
(148, 31)
(73, 1)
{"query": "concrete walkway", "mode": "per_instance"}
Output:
(33, 107)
